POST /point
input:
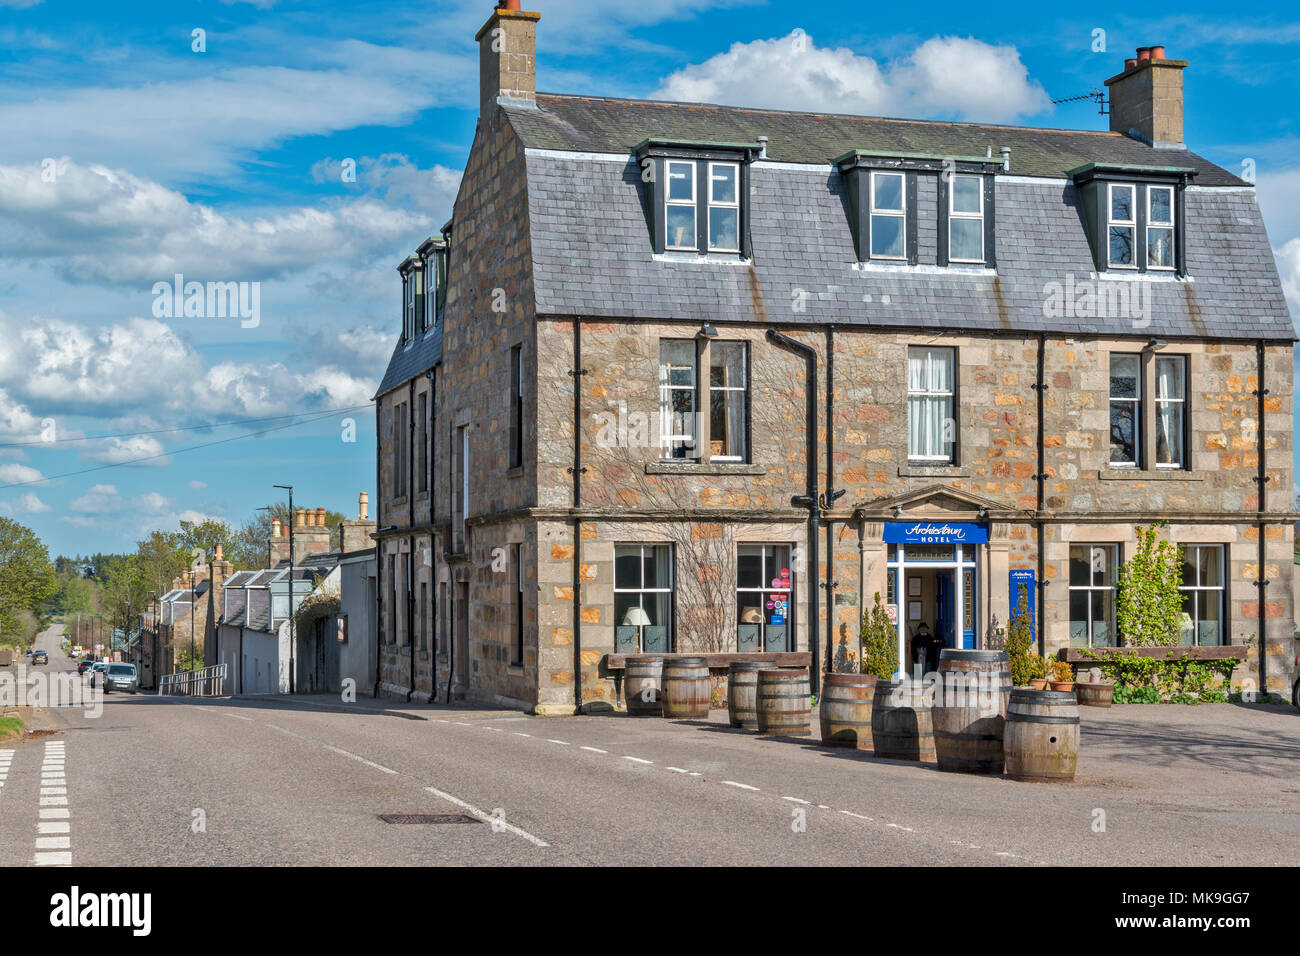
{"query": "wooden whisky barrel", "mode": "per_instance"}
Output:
(742, 685)
(970, 708)
(643, 686)
(1094, 695)
(901, 727)
(782, 702)
(845, 710)
(1042, 736)
(686, 688)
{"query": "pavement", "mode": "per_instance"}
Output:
(275, 781)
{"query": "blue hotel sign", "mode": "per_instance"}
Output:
(935, 532)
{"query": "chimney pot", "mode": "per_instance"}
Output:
(1130, 63)
(1157, 53)
(320, 517)
(363, 507)
(298, 518)
(1146, 99)
(218, 555)
(1144, 54)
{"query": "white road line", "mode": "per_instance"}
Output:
(368, 763)
(897, 826)
(562, 743)
(237, 717)
(518, 734)
(806, 803)
(486, 818)
(677, 770)
(850, 813)
(53, 786)
(596, 750)
(636, 759)
(822, 806)
(742, 786)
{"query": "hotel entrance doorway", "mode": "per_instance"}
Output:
(933, 587)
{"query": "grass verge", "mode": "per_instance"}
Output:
(11, 727)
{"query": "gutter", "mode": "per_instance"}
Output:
(379, 567)
(809, 499)
(410, 523)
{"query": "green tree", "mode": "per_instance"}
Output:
(1149, 607)
(160, 558)
(198, 540)
(27, 578)
(126, 591)
(879, 642)
(77, 595)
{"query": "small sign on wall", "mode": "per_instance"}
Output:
(1026, 579)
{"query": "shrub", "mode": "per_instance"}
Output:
(1025, 664)
(879, 642)
(1149, 607)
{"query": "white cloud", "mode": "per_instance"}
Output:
(25, 504)
(961, 78)
(397, 180)
(100, 499)
(1288, 265)
(16, 421)
(120, 451)
(111, 226)
(198, 485)
(63, 367)
(19, 474)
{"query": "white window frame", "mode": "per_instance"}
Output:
(1194, 589)
(430, 292)
(1136, 401)
(1112, 551)
(900, 213)
(712, 204)
(1173, 251)
(1130, 224)
(1182, 414)
(950, 395)
(693, 203)
(953, 214)
(408, 308)
(742, 388)
(464, 486)
(666, 414)
(642, 589)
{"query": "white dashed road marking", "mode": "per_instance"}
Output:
(742, 786)
(487, 818)
(596, 750)
(6, 759)
(368, 763)
(54, 829)
(637, 760)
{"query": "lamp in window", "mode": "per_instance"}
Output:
(636, 617)
(751, 615)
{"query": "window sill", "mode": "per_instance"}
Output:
(703, 258)
(973, 270)
(932, 471)
(1159, 474)
(1121, 274)
(702, 468)
(516, 472)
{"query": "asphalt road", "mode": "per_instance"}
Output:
(273, 781)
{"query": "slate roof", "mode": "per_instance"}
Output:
(238, 579)
(237, 604)
(592, 256)
(259, 609)
(608, 125)
(406, 363)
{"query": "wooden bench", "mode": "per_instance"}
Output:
(617, 663)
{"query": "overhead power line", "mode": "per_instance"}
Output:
(167, 454)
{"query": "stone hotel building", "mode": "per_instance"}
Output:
(682, 377)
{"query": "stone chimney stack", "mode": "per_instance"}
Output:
(355, 535)
(220, 569)
(508, 58)
(310, 534)
(279, 542)
(1146, 100)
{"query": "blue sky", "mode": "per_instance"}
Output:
(127, 156)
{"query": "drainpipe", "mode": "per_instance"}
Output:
(1261, 479)
(829, 499)
(1040, 386)
(451, 533)
(379, 566)
(808, 500)
(433, 577)
(410, 523)
(577, 471)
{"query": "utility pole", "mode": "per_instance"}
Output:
(293, 636)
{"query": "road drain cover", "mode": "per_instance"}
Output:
(428, 818)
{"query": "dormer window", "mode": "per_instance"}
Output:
(966, 219)
(1133, 216)
(433, 280)
(882, 191)
(697, 196)
(888, 216)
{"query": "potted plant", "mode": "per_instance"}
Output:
(1038, 673)
(1061, 676)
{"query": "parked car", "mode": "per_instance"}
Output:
(121, 677)
(83, 666)
(1295, 688)
(96, 670)
(40, 657)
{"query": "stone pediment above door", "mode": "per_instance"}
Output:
(935, 502)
